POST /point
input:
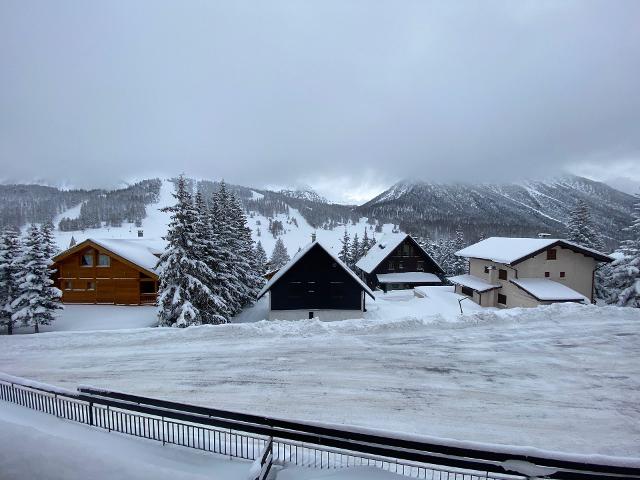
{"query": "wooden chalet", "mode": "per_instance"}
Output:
(315, 284)
(397, 262)
(114, 271)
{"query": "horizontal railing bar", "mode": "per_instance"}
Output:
(408, 449)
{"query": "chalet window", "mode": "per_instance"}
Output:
(86, 260)
(407, 251)
(336, 289)
(91, 285)
(104, 260)
(546, 274)
(562, 274)
(311, 287)
(147, 287)
(486, 269)
(68, 285)
(400, 266)
(502, 274)
(467, 291)
(502, 299)
(551, 254)
(420, 265)
(295, 289)
(391, 266)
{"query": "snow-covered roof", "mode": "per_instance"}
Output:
(473, 282)
(512, 250)
(383, 247)
(141, 252)
(408, 277)
(301, 254)
(548, 290)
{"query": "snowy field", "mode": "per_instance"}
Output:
(561, 377)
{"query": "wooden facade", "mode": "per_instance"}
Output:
(91, 273)
(405, 257)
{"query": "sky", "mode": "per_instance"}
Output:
(346, 96)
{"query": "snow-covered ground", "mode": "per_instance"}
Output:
(98, 317)
(155, 224)
(561, 377)
(38, 445)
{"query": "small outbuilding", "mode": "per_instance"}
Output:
(398, 262)
(316, 284)
(112, 271)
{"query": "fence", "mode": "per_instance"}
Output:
(287, 442)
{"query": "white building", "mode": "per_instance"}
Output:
(527, 272)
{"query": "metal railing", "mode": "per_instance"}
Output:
(288, 442)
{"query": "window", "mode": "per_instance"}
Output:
(295, 289)
(68, 285)
(562, 275)
(104, 260)
(400, 266)
(86, 260)
(502, 299)
(546, 274)
(336, 289)
(502, 274)
(486, 269)
(140, 233)
(391, 266)
(467, 291)
(91, 285)
(420, 265)
(551, 254)
(147, 287)
(407, 251)
(311, 287)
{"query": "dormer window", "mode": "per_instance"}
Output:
(551, 254)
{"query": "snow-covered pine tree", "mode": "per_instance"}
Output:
(279, 256)
(365, 245)
(355, 252)
(345, 250)
(49, 246)
(247, 266)
(183, 294)
(261, 259)
(37, 297)
(72, 242)
(214, 310)
(10, 256)
(626, 272)
(459, 264)
(581, 229)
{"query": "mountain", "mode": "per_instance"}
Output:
(513, 209)
(306, 193)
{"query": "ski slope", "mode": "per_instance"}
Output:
(154, 227)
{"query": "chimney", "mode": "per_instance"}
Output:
(493, 275)
(313, 237)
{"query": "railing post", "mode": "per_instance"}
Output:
(91, 413)
(162, 430)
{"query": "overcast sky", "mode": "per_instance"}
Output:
(346, 96)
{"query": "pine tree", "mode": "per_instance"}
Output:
(50, 248)
(366, 243)
(626, 271)
(345, 252)
(183, 295)
(458, 264)
(37, 298)
(72, 243)
(355, 252)
(279, 256)
(581, 229)
(10, 255)
(261, 259)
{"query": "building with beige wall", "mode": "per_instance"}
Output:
(527, 272)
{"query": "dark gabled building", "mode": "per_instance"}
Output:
(397, 262)
(315, 283)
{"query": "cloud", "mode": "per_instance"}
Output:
(286, 92)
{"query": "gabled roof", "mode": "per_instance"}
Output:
(511, 251)
(296, 258)
(385, 247)
(544, 289)
(139, 254)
